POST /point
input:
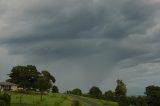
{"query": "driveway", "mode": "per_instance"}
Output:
(85, 100)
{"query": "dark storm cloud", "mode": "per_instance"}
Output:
(100, 37)
(63, 22)
(52, 23)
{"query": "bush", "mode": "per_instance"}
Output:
(122, 101)
(5, 99)
(56, 103)
(77, 91)
(153, 95)
(2, 103)
(25, 91)
(75, 103)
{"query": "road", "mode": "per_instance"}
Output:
(84, 100)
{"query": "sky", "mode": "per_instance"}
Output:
(83, 43)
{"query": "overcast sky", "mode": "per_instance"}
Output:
(83, 43)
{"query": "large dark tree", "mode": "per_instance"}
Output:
(95, 92)
(153, 95)
(29, 78)
(55, 89)
(24, 76)
(77, 91)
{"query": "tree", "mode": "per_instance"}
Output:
(77, 91)
(121, 89)
(109, 95)
(48, 76)
(55, 89)
(24, 76)
(137, 101)
(120, 93)
(153, 95)
(29, 77)
(43, 85)
(95, 92)
(44, 82)
(141, 101)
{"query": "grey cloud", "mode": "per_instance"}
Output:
(99, 37)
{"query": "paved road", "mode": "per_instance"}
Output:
(84, 100)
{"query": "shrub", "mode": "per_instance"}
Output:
(153, 95)
(21, 91)
(25, 91)
(75, 103)
(2, 103)
(56, 103)
(123, 101)
(5, 100)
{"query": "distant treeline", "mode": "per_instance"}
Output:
(151, 98)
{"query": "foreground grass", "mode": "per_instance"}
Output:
(101, 102)
(34, 100)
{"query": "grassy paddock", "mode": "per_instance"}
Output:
(18, 99)
(34, 100)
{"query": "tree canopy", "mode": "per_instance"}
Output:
(121, 89)
(77, 91)
(55, 89)
(29, 77)
(109, 95)
(24, 76)
(153, 95)
(95, 92)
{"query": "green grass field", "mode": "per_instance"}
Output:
(34, 100)
(18, 99)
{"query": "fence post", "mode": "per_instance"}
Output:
(20, 99)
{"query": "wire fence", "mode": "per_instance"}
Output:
(17, 104)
